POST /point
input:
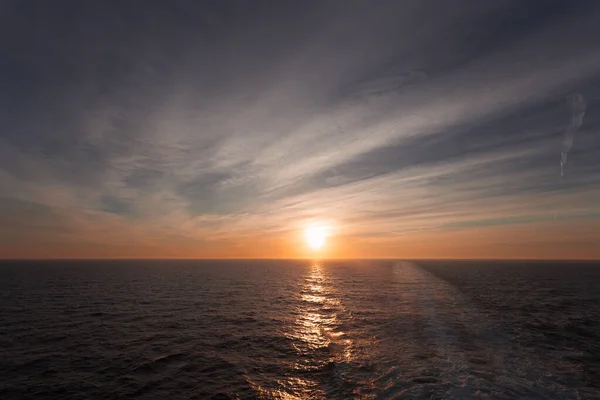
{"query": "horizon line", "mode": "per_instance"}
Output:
(314, 259)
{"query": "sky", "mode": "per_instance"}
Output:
(409, 129)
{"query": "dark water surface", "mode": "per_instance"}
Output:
(299, 330)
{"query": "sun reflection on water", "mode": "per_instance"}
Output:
(319, 339)
(316, 311)
(321, 334)
(315, 334)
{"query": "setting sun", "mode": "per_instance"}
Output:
(315, 236)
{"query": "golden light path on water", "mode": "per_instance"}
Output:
(316, 336)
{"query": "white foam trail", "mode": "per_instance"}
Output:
(578, 106)
(473, 357)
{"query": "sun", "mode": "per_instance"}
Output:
(315, 236)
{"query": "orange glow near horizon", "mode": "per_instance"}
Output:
(575, 239)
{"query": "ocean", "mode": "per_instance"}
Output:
(382, 329)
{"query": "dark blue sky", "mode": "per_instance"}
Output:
(213, 128)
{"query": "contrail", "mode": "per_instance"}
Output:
(578, 105)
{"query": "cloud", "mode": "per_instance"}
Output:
(246, 121)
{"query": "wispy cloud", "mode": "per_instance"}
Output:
(235, 121)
